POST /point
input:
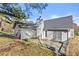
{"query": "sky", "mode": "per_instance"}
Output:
(56, 10)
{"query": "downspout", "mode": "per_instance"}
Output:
(59, 51)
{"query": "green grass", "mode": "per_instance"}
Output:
(2, 33)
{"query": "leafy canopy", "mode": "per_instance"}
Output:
(16, 11)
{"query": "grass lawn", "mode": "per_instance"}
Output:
(11, 47)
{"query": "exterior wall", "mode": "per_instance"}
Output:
(24, 33)
(60, 37)
(40, 27)
(57, 35)
(50, 34)
(54, 35)
(43, 35)
(64, 36)
(17, 31)
(27, 33)
(71, 33)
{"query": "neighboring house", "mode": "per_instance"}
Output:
(58, 29)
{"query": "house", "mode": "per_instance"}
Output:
(58, 29)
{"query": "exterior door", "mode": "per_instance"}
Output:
(50, 34)
(57, 36)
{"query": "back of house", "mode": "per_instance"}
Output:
(58, 29)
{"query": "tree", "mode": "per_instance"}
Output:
(15, 10)
(30, 7)
(12, 10)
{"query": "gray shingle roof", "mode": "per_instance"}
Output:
(62, 23)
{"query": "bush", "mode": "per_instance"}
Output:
(76, 31)
(26, 39)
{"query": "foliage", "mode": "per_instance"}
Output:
(30, 7)
(12, 10)
(19, 13)
(76, 31)
(15, 10)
